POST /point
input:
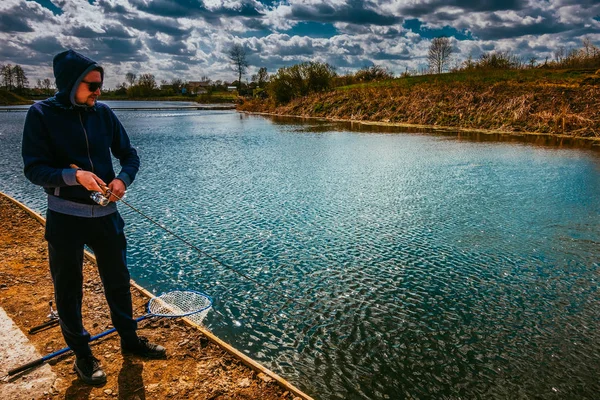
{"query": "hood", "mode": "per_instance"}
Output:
(70, 68)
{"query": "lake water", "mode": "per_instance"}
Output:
(422, 265)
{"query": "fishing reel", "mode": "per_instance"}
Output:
(101, 198)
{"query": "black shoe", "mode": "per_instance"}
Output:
(88, 369)
(143, 348)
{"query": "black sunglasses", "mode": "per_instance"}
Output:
(93, 86)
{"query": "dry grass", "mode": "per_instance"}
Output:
(544, 104)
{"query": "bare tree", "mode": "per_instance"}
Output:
(147, 81)
(559, 54)
(47, 85)
(21, 81)
(130, 77)
(177, 84)
(588, 48)
(8, 77)
(261, 78)
(532, 62)
(439, 55)
(237, 55)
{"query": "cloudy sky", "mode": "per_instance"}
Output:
(189, 38)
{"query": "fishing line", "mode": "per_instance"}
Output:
(199, 250)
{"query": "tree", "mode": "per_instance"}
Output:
(588, 48)
(373, 73)
(177, 84)
(121, 89)
(300, 80)
(21, 81)
(145, 86)
(45, 85)
(147, 81)
(261, 78)
(439, 55)
(532, 61)
(559, 54)
(8, 77)
(237, 56)
(130, 77)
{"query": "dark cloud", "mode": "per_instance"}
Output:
(109, 8)
(174, 48)
(171, 8)
(179, 66)
(16, 19)
(296, 49)
(153, 26)
(46, 45)
(110, 31)
(428, 8)
(11, 23)
(510, 32)
(403, 55)
(115, 50)
(354, 12)
(20, 54)
(486, 5)
(196, 8)
(254, 24)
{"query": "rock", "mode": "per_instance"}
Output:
(107, 391)
(152, 387)
(265, 378)
(244, 383)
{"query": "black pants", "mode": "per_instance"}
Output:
(66, 236)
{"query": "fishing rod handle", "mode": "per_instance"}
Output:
(25, 367)
(46, 324)
(103, 187)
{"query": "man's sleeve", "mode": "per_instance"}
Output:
(124, 152)
(37, 155)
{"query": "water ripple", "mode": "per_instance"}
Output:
(421, 266)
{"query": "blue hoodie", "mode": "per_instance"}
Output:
(59, 132)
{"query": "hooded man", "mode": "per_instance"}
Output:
(69, 129)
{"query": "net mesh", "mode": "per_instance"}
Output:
(180, 303)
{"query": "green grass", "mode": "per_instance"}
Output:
(12, 99)
(485, 77)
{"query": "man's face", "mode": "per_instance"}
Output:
(83, 95)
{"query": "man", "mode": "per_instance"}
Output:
(71, 128)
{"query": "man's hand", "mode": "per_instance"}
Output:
(89, 180)
(118, 188)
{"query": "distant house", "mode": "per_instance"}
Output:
(198, 87)
(231, 88)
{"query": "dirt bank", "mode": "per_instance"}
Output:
(195, 368)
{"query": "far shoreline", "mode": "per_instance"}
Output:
(572, 141)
